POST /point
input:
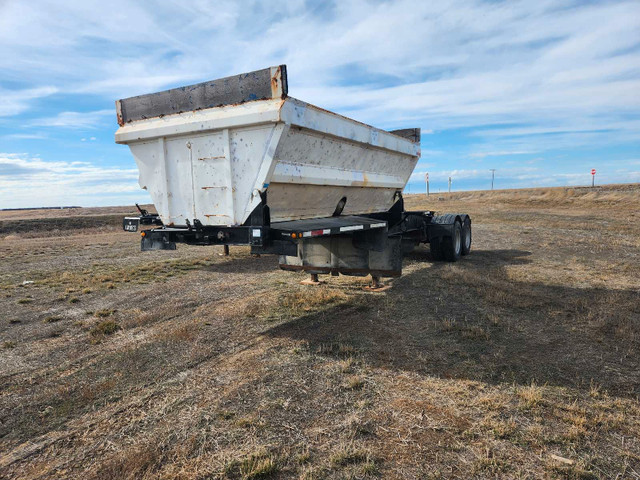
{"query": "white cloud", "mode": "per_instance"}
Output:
(467, 174)
(26, 136)
(499, 154)
(53, 183)
(454, 63)
(77, 120)
(525, 177)
(14, 102)
(572, 71)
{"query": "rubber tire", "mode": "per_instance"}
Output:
(436, 248)
(452, 246)
(466, 237)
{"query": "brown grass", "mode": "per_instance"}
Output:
(105, 327)
(519, 361)
(530, 396)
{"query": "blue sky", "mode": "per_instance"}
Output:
(542, 91)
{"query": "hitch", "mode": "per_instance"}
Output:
(132, 224)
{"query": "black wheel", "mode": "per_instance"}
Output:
(466, 237)
(436, 248)
(452, 246)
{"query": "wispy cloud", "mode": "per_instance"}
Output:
(466, 174)
(465, 63)
(53, 183)
(523, 176)
(499, 154)
(457, 62)
(26, 136)
(73, 119)
(14, 102)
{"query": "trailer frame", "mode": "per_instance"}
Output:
(367, 231)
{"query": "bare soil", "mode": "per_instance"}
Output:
(519, 361)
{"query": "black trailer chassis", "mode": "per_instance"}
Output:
(343, 244)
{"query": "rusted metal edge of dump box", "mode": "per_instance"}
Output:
(265, 84)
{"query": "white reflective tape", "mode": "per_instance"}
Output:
(306, 234)
(326, 231)
(256, 232)
(378, 225)
(352, 227)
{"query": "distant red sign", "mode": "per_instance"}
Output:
(593, 171)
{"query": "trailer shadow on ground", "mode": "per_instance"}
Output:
(472, 320)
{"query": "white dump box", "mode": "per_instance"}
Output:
(213, 152)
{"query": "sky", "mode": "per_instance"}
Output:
(541, 91)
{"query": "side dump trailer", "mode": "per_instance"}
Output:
(237, 161)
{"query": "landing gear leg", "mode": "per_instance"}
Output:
(376, 285)
(312, 280)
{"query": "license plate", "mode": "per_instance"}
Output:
(130, 224)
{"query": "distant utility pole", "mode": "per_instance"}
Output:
(493, 176)
(426, 179)
(449, 184)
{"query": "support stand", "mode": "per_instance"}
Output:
(376, 285)
(312, 280)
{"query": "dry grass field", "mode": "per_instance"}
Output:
(520, 361)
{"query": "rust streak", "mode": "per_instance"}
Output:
(276, 91)
(119, 113)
